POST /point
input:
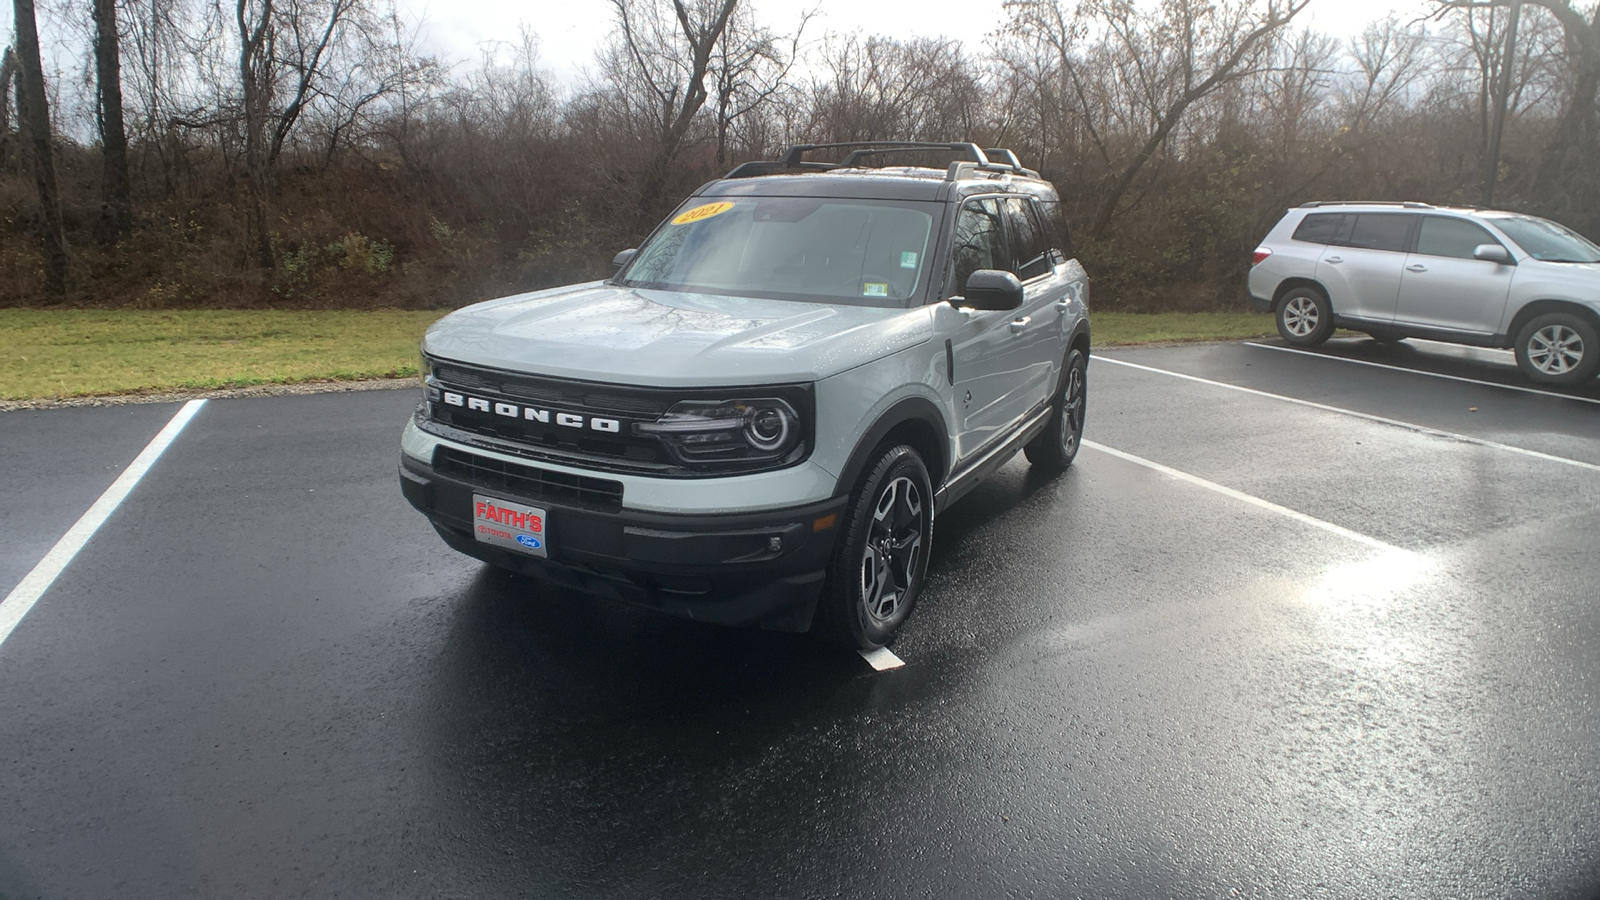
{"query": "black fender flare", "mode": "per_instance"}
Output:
(924, 427)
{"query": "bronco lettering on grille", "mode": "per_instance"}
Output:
(532, 413)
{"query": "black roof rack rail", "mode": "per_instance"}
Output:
(973, 158)
(1408, 204)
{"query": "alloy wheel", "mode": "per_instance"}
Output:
(1072, 409)
(1555, 349)
(1301, 316)
(894, 546)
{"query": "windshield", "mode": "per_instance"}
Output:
(864, 252)
(1547, 241)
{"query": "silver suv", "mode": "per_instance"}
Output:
(1468, 276)
(758, 418)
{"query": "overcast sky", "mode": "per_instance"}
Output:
(570, 30)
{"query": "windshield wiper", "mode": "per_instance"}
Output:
(1585, 262)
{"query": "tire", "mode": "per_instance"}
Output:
(1055, 447)
(881, 560)
(1558, 348)
(1305, 318)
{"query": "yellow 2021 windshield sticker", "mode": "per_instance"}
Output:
(701, 213)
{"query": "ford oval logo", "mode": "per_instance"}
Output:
(529, 541)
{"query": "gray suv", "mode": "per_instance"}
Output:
(758, 418)
(1468, 276)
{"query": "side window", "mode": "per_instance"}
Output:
(1382, 231)
(1054, 218)
(1028, 246)
(1450, 237)
(1319, 228)
(980, 242)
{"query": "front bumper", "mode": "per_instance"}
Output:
(765, 568)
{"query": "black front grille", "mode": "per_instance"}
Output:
(528, 482)
(507, 426)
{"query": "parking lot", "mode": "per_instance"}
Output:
(1296, 624)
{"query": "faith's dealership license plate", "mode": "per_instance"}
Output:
(507, 524)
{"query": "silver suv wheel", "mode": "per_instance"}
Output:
(1300, 316)
(1555, 349)
(1304, 317)
(1558, 348)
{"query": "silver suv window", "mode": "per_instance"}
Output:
(1547, 241)
(1379, 231)
(1441, 236)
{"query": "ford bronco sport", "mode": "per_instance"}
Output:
(758, 418)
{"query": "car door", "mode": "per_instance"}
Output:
(1043, 345)
(1362, 267)
(1445, 287)
(989, 353)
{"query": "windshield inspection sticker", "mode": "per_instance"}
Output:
(908, 260)
(701, 213)
(874, 289)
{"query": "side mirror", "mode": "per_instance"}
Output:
(1491, 253)
(992, 289)
(622, 257)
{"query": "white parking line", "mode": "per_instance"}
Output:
(38, 580)
(1251, 499)
(1376, 365)
(1409, 426)
(882, 659)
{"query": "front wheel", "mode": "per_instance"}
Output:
(1305, 318)
(882, 557)
(1558, 348)
(1056, 446)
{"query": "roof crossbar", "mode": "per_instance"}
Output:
(972, 158)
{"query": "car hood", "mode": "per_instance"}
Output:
(601, 332)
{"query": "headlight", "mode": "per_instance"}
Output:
(764, 429)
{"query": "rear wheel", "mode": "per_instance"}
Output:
(882, 557)
(1305, 318)
(1558, 348)
(1055, 448)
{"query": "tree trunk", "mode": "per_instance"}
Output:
(117, 213)
(8, 72)
(33, 114)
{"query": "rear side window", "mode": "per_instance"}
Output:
(1456, 238)
(1381, 231)
(1319, 228)
(1029, 247)
(980, 241)
(1054, 218)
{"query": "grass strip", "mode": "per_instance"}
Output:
(85, 353)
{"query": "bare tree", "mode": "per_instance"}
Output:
(750, 69)
(117, 215)
(1178, 55)
(664, 50)
(282, 51)
(1571, 150)
(33, 111)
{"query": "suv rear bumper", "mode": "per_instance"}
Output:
(764, 569)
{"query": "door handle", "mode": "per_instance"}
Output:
(1064, 305)
(1416, 267)
(1333, 259)
(1018, 324)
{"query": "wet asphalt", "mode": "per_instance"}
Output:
(267, 677)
